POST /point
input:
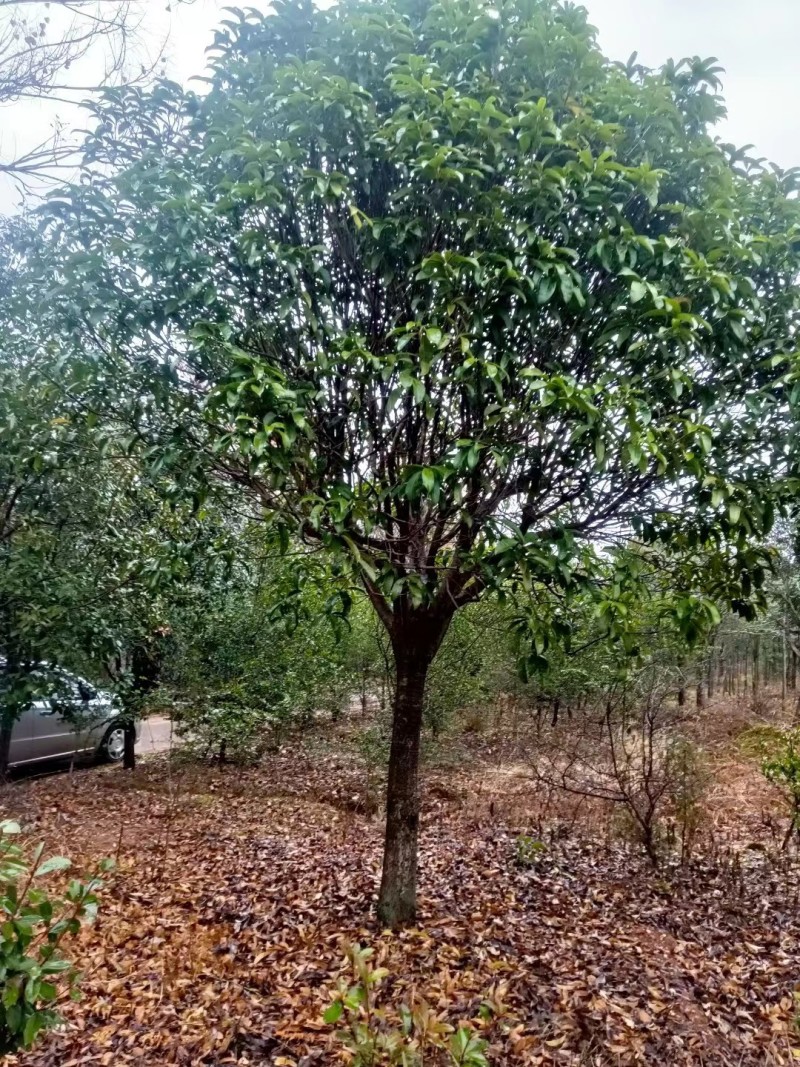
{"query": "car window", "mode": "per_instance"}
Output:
(66, 687)
(55, 685)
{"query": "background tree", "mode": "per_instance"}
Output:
(93, 551)
(64, 50)
(256, 652)
(460, 300)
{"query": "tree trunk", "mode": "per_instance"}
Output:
(129, 755)
(5, 746)
(415, 644)
(397, 902)
(556, 709)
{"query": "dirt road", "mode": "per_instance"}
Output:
(157, 735)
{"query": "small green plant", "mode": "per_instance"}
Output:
(34, 974)
(761, 740)
(689, 780)
(528, 851)
(221, 727)
(782, 768)
(376, 1037)
(372, 744)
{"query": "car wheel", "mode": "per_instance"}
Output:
(113, 745)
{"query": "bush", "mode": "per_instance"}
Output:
(528, 851)
(466, 675)
(689, 776)
(783, 770)
(372, 744)
(761, 740)
(374, 1039)
(33, 973)
(223, 729)
(633, 754)
(255, 657)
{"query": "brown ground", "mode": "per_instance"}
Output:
(219, 938)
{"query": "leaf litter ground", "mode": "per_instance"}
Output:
(219, 938)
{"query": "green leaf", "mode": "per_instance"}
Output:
(334, 1012)
(547, 286)
(11, 992)
(638, 292)
(47, 991)
(54, 863)
(33, 1024)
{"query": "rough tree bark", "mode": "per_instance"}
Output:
(415, 640)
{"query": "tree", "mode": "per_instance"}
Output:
(255, 652)
(456, 298)
(92, 550)
(90, 554)
(43, 43)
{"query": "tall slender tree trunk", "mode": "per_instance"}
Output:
(129, 752)
(556, 709)
(415, 643)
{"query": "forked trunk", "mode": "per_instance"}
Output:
(414, 650)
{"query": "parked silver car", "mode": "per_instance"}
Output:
(75, 720)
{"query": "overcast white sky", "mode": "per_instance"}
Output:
(757, 43)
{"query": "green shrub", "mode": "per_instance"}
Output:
(372, 744)
(761, 741)
(258, 656)
(34, 974)
(374, 1038)
(689, 779)
(528, 851)
(783, 770)
(466, 675)
(224, 729)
